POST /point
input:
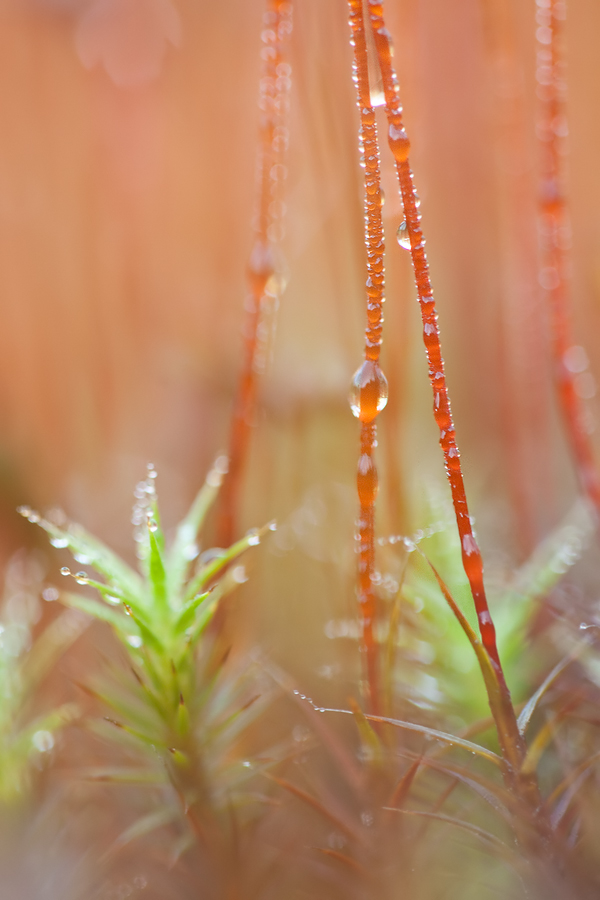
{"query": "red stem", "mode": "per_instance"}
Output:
(513, 745)
(370, 386)
(265, 278)
(554, 230)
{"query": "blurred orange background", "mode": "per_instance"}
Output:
(126, 190)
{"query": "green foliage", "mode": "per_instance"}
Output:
(175, 707)
(26, 734)
(432, 631)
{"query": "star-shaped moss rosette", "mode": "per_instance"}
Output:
(177, 713)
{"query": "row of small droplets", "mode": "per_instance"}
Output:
(142, 516)
(413, 240)
(554, 233)
(369, 386)
(266, 268)
(266, 278)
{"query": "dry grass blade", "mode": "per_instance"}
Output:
(345, 860)
(345, 760)
(483, 835)
(572, 778)
(431, 733)
(530, 707)
(315, 804)
(402, 789)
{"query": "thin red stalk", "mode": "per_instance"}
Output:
(264, 275)
(512, 743)
(554, 234)
(369, 385)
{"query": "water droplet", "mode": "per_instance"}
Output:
(209, 555)
(403, 235)
(399, 142)
(300, 733)
(368, 391)
(34, 517)
(247, 764)
(377, 95)
(81, 578)
(24, 511)
(134, 640)
(214, 479)
(222, 464)
(261, 266)
(576, 359)
(239, 574)
(278, 280)
(43, 741)
(152, 525)
(59, 542)
(82, 558)
(253, 537)
(366, 480)
(65, 570)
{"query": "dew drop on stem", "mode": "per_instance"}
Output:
(403, 235)
(368, 391)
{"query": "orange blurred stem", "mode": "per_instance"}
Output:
(554, 230)
(264, 275)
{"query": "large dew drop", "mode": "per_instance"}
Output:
(403, 236)
(399, 143)
(368, 391)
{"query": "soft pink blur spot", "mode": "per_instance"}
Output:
(127, 37)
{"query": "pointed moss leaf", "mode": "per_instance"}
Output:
(179, 557)
(122, 623)
(183, 719)
(344, 825)
(205, 614)
(146, 824)
(180, 846)
(442, 736)
(556, 554)
(147, 634)
(142, 717)
(122, 775)
(215, 566)
(51, 644)
(530, 707)
(188, 613)
(241, 719)
(157, 573)
(372, 748)
(103, 560)
(480, 833)
(52, 722)
(148, 739)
